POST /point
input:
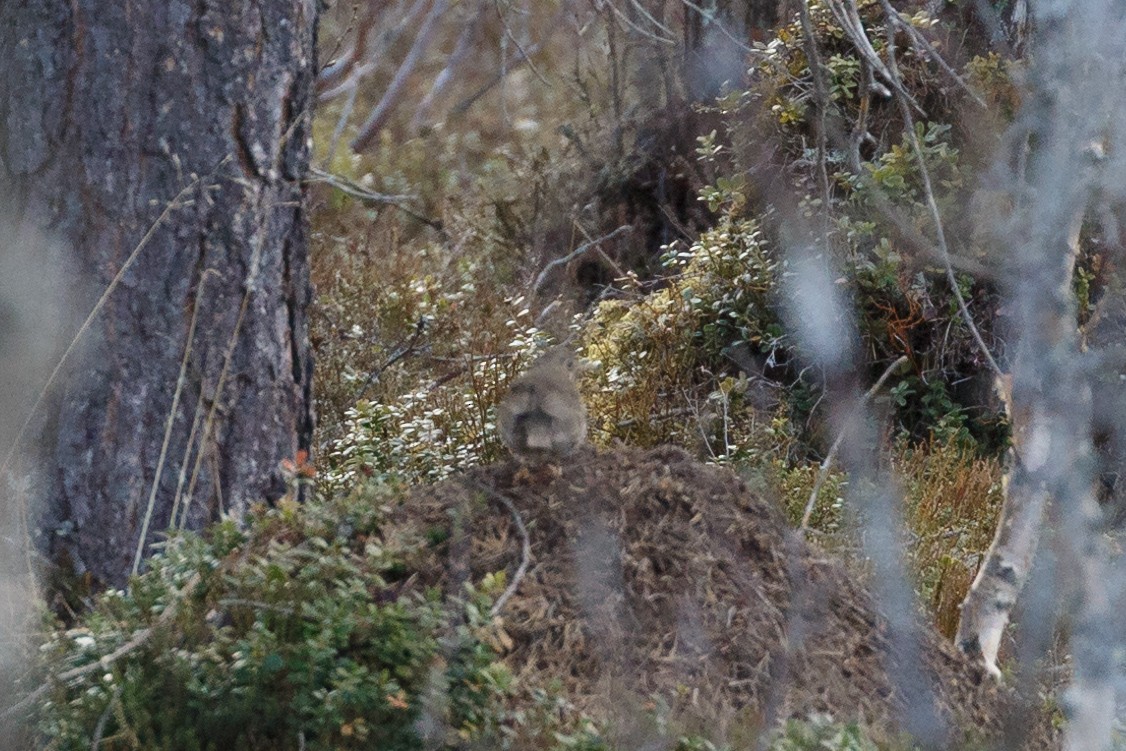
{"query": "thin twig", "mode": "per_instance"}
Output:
(823, 472)
(100, 728)
(355, 190)
(341, 124)
(181, 379)
(217, 397)
(273, 607)
(519, 47)
(380, 112)
(525, 545)
(350, 84)
(346, 186)
(333, 68)
(649, 17)
(593, 244)
(250, 282)
(173, 204)
(647, 34)
(922, 44)
(197, 421)
(711, 18)
(139, 639)
(821, 93)
(453, 62)
(848, 16)
(399, 353)
(860, 128)
(917, 240)
(510, 64)
(388, 41)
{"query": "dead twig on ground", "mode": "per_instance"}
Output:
(525, 544)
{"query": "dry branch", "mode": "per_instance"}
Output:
(379, 114)
(140, 639)
(525, 545)
(902, 99)
(541, 278)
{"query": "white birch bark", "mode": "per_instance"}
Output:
(1070, 120)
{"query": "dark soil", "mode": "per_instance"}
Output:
(655, 577)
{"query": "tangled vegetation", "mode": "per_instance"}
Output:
(688, 334)
(304, 630)
(300, 631)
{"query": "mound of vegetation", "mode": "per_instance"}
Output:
(655, 580)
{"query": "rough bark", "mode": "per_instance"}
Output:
(111, 109)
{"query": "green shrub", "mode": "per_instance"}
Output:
(299, 632)
(821, 733)
(666, 374)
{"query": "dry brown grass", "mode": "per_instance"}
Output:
(655, 577)
(952, 500)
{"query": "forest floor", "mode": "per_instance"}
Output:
(653, 575)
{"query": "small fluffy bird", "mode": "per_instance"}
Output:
(542, 417)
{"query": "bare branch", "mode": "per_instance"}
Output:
(821, 95)
(582, 249)
(405, 350)
(511, 64)
(525, 545)
(453, 62)
(140, 639)
(344, 185)
(923, 45)
(709, 16)
(524, 54)
(626, 21)
(382, 110)
(932, 205)
(848, 17)
(340, 68)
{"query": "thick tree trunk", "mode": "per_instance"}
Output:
(111, 109)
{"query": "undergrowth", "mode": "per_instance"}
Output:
(304, 630)
(419, 332)
(300, 631)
